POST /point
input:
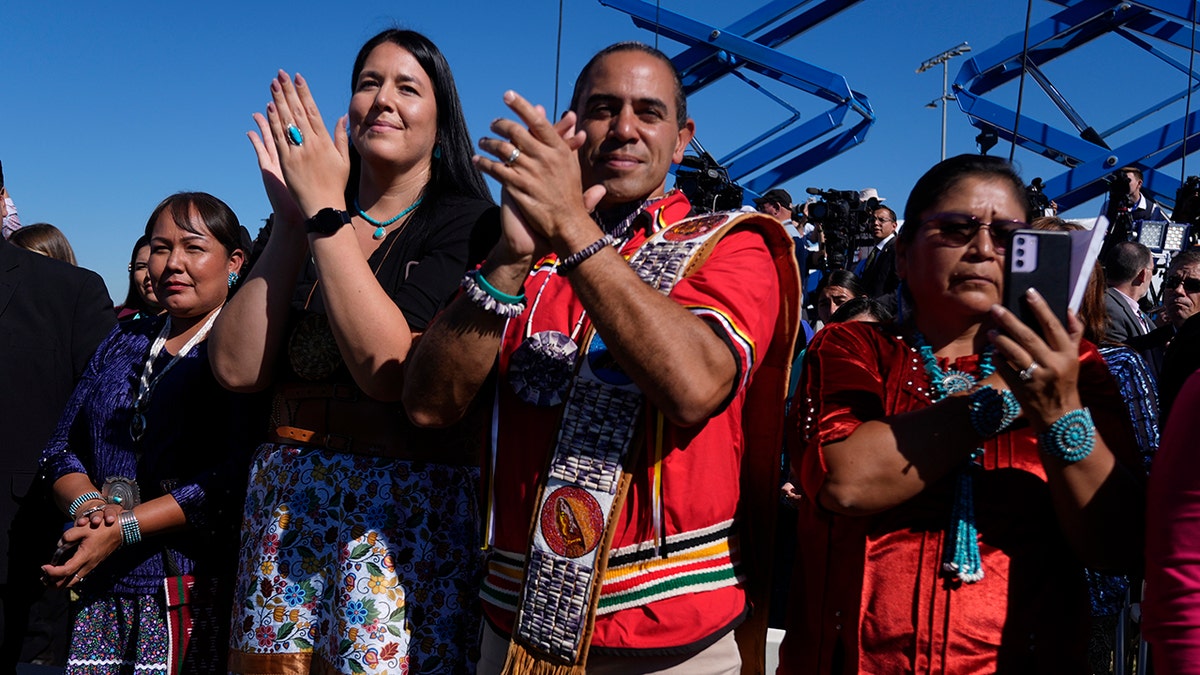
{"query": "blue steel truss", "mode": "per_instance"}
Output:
(1147, 24)
(793, 146)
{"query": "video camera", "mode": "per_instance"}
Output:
(706, 184)
(1187, 201)
(1036, 195)
(845, 220)
(1118, 187)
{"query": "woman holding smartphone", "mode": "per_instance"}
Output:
(959, 469)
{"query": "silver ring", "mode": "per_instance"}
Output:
(294, 136)
(78, 577)
(512, 156)
(1027, 374)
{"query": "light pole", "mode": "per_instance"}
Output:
(943, 59)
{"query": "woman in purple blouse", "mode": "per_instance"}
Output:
(146, 459)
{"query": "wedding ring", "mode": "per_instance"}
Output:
(1027, 374)
(294, 137)
(79, 578)
(512, 156)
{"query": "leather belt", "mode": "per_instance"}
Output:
(341, 418)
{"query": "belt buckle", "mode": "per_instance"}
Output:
(339, 442)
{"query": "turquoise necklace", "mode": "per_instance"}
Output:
(960, 558)
(380, 226)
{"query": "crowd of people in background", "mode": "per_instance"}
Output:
(590, 429)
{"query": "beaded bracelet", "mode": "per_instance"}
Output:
(492, 301)
(495, 292)
(1071, 438)
(572, 261)
(992, 411)
(80, 501)
(131, 531)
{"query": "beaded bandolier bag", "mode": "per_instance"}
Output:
(599, 440)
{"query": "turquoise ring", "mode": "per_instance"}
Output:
(294, 137)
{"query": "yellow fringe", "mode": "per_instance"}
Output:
(521, 661)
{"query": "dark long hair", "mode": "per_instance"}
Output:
(133, 298)
(452, 174)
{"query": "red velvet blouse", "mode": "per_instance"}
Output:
(868, 594)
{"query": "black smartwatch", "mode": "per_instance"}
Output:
(327, 221)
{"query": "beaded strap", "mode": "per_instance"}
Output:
(1071, 438)
(131, 531)
(992, 411)
(572, 261)
(81, 500)
(486, 297)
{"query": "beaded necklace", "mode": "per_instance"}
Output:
(148, 379)
(380, 226)
(960, 557)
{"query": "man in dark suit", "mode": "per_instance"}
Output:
(1128, 270)
(879, 267)
(1181, 303)
(52, 317)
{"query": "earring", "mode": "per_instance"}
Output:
(234, 278)
(437, 151)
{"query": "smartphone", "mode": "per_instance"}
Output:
(1038, 259)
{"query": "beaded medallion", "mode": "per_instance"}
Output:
(956, 382)
(312, 350)
(540, 370)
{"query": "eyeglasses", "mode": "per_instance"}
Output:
(1189, 285)
(959, 229)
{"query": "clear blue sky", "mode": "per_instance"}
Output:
(109, 107)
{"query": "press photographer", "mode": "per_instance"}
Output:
(846, 218)
(1127, 204)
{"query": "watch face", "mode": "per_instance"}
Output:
(327, 221)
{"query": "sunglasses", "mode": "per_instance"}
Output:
(959, 229)
(1189, 285)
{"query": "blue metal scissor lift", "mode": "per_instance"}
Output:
(1151, 25)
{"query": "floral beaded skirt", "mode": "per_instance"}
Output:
(356, 564)
(119, 635)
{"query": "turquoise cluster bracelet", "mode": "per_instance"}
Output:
(1071, 438)
(992, 411)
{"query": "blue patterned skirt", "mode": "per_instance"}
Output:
(356, 564)
(119, 635)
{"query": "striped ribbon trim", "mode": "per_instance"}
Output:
(691, 562)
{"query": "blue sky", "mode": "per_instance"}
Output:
(109, 107)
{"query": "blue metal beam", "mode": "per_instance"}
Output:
(1145, 24)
